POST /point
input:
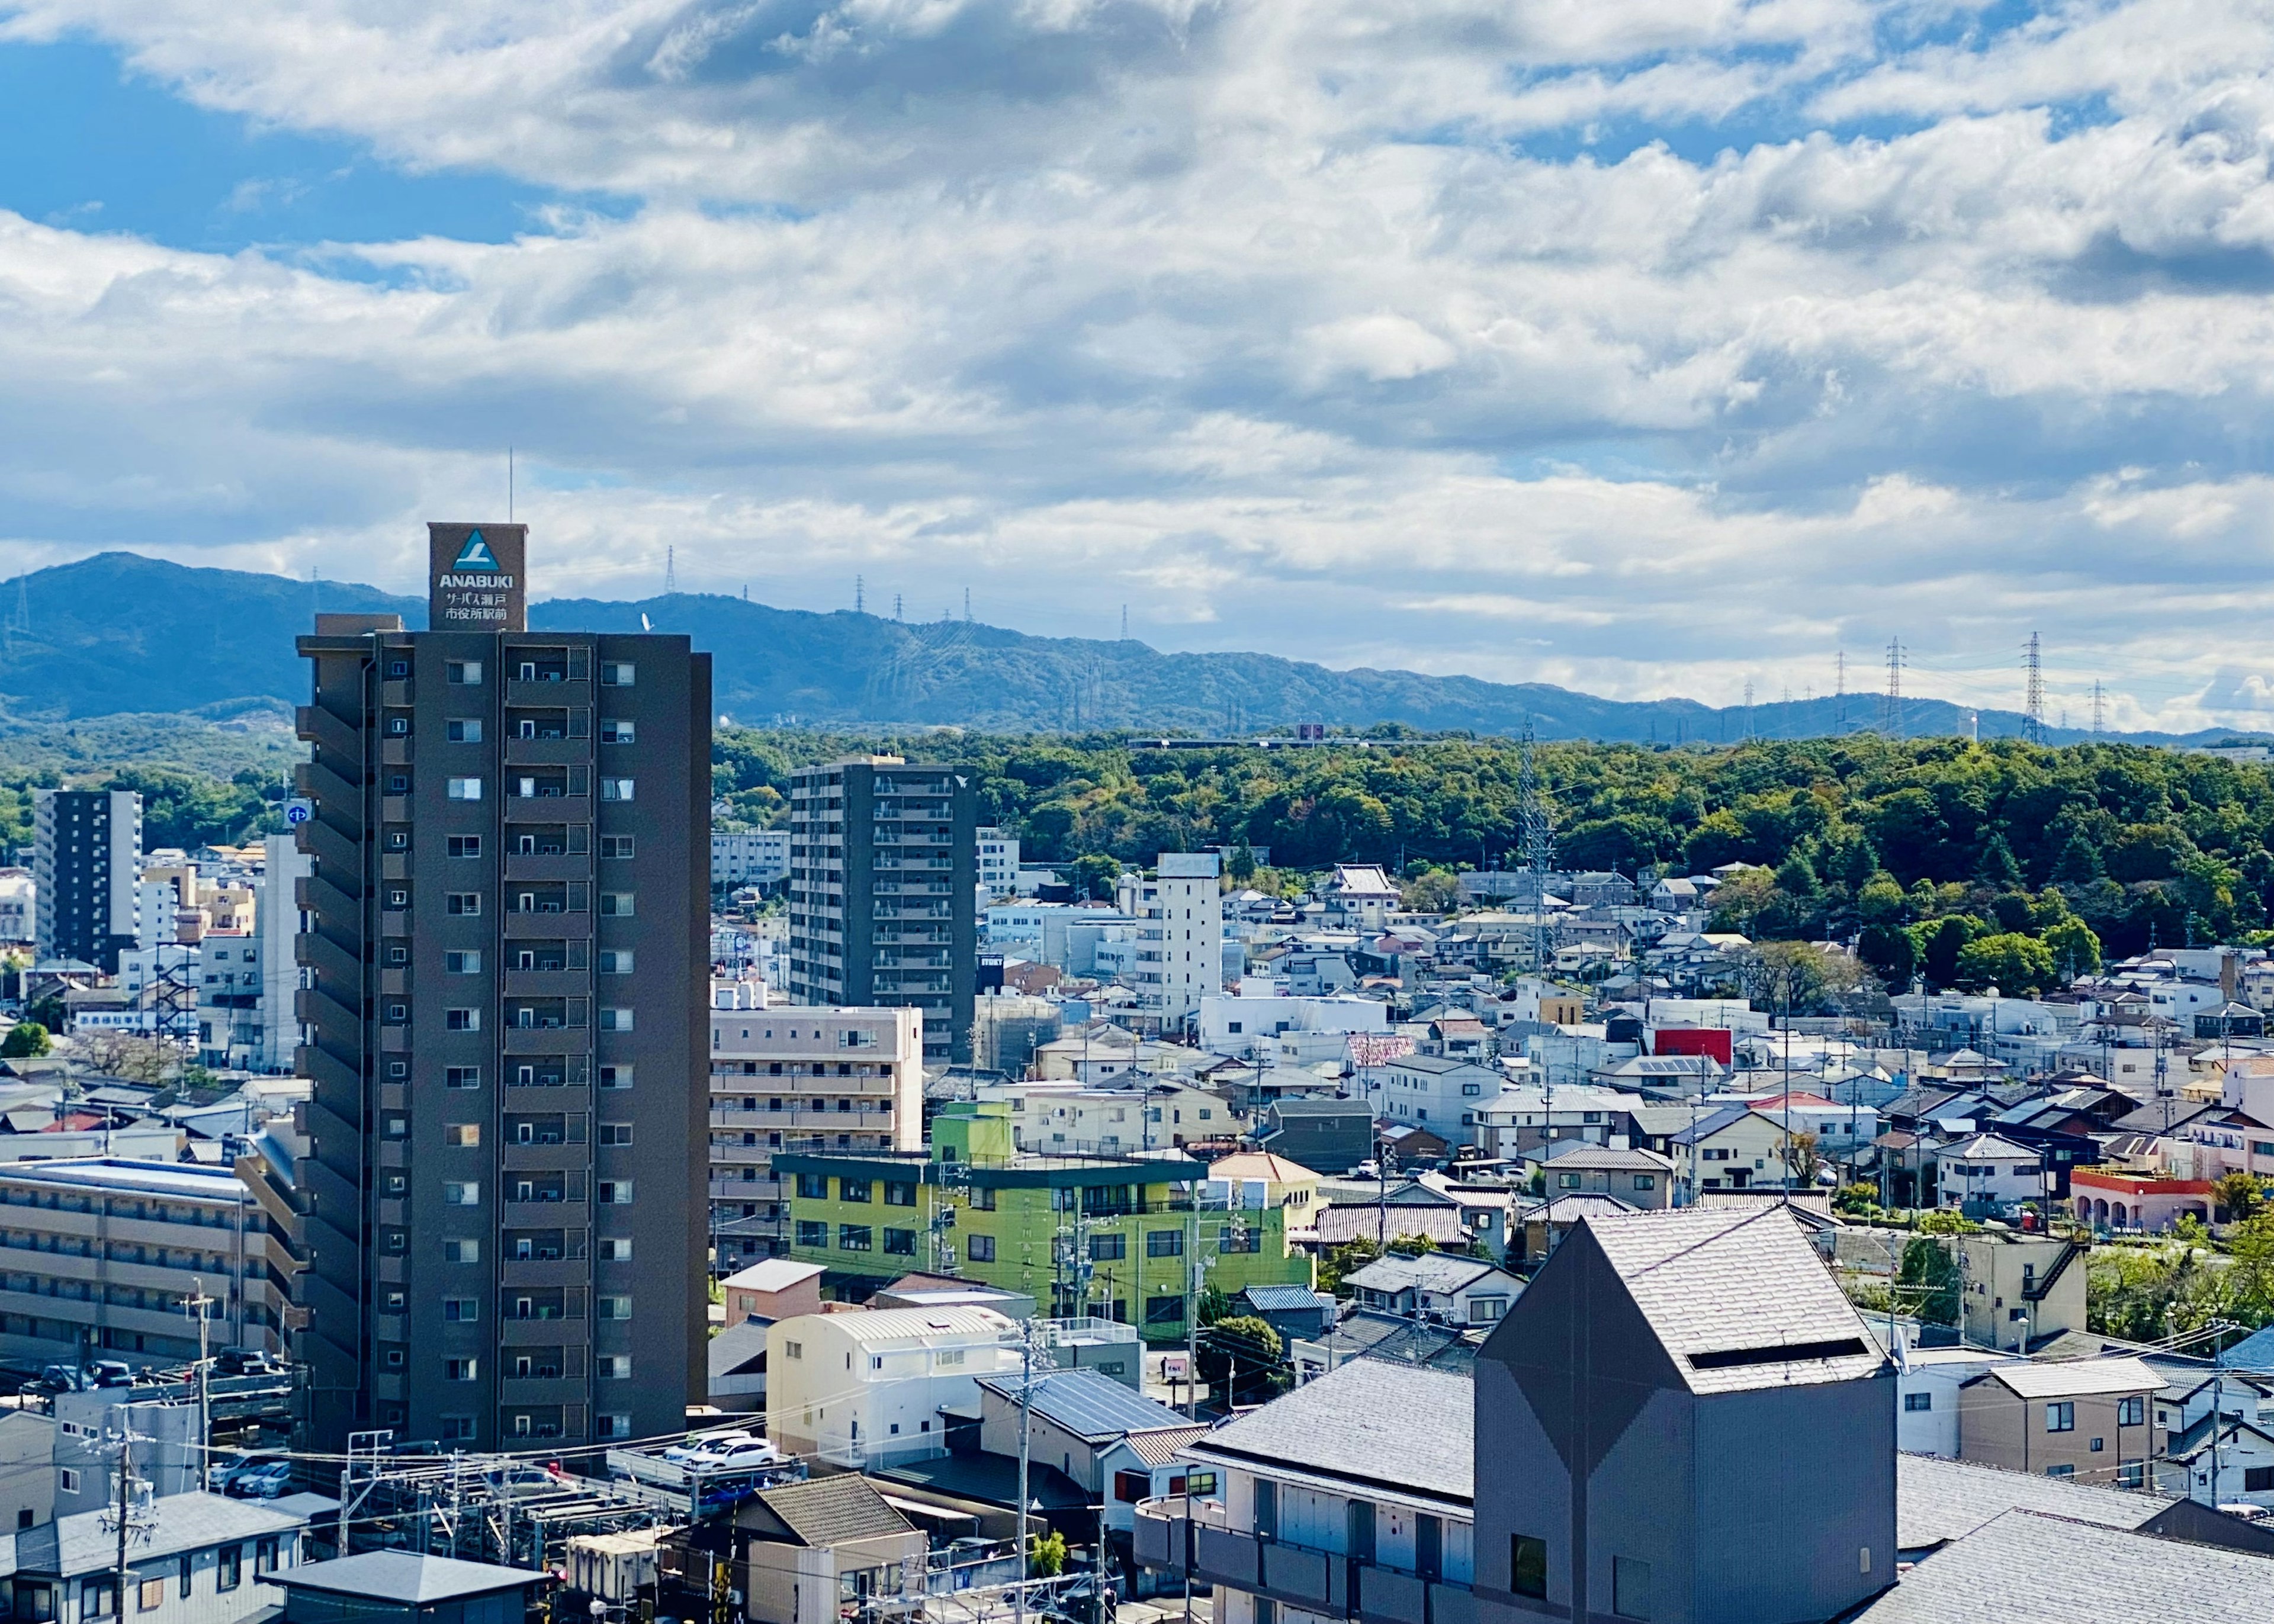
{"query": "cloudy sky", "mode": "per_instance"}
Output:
(1644, 345)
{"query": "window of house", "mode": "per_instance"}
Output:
(465, 962)
(2060, 1418)
(1108, 1248)
(1629, 1588)
(2131, 1412)
(812, 1234)
(464, 789)
(1164, 1243)
(1917, 1401)
(466, 672)
(466, 902)
(1528, 1566)
(855, 1238)
(462, 1077)
(902, 1242)
(980, 1248)
(852, 1189)
(1164, 1310)
(462, 1020)
(464, 729)
(229, 1568)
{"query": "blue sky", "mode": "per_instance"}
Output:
(1650, 349)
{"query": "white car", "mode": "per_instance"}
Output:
(708, 1443)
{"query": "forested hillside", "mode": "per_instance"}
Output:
(2026, 861)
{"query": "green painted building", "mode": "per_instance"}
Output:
(1126, 1237)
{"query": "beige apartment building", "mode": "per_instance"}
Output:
(801, 1078)
(2093, 1420)
(2018, 1292)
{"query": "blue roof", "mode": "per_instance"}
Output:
(1089, 1405)
(2254, 1352)
(1282, 1299)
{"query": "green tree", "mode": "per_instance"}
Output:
(25, 1039)
(1938, 944)
(2075, 948)
(1243, 865)
(1926, 1280)
(1092, 876)
(1239, 1356)
(2239, 1196)
(1432, 891)
(2015, 964)
(1996, 867)
(2080, 862)
(1046, 1555)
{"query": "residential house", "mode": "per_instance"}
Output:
(1440, 1286)
(866, 1388)
(778, 1289)
(1329, 1133)
(1441, 1095)
(736, 1377)
(2221, 1460)
(1358, 897)
(191, 1559)
(1540, 1227)
(2108, 1199)
(2089, 1417)
(2019, 1291)
(408, 1587)
(1927, 1383)
(1639, 1178)
(1284, 1184)
(1984, 1172)
(1735, 1147)
(1294, 1312)
(811, 1551)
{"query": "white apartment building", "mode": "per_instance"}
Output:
(801, 1078)
(1178, 955)
(20, 906)
(999, 865)
(759, 857)
(1442, 1095)
(1250, 1026)
(1156, 1113)
(865, 1389)
(276, 920)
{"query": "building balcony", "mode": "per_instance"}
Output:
(520, 752)
(1176, 1535)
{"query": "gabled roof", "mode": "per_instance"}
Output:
(1988, 1145)
(2075, 1378)
(80, 1543)
(774, 1274)
(828, 1511)
(405, 1576)
(2027, 1567)
(1089, 1406)
(1439, 1270)
(1727, 1292)
(1369, 1421)
(1938, 1500)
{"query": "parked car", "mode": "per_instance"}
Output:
(62, 1378)
(109, 1374)
(268, 1480)
(245, 1362)
(740, 1458)
(707, 1443)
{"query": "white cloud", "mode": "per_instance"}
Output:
(1558, 341)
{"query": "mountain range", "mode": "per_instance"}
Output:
(119, 633)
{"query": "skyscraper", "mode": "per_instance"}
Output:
(883, 869)
(505, 961)
(87, 862)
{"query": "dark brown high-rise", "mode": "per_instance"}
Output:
(504, 954)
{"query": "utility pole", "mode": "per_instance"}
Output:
(1026, 1452)
(196, 1307)
(1539, 848)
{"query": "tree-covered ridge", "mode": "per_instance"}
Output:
(1929, 849)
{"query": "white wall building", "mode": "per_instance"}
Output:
(1179, 938)
(758, 857)
(20, 906)
(1442, 1095)
(864, 1389)
(999, 865)
(1248, 1027)
(277, 918)
(1986, 1168)
(1927, 1381)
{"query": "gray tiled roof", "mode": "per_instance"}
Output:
(1285, 1299)
(80, 1543)
(407, 1577)
(1438, 1271)
(1721, 1279)
(1937, 1500)
(1402, 1425)
(2027, 1567)
(826, 1511)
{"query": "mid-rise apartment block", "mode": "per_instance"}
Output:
(801, 1078)
(1178, 958)
(882, 889)
(504, 946)
(86, 865)
(998, 864)
(753, 857)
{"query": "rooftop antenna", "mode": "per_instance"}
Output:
(670, 571)
(2033, 707)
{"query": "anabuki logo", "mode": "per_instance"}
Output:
(475, 554)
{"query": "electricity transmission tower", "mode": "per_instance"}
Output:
(670, 571)
(2033, 707)
(1840, 695)
(2097, 716)
(1891, 707)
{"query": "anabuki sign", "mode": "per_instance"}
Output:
(475, 581)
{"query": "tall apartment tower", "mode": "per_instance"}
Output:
(883, 878)
(1179, 908)
(505, 962)
(87, 862)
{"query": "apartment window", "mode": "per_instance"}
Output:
(812, 1186)
(462, 1135)
(2134, 1475)
(617, 673)
(615, 1192)
(462, 1077)
(462, 1020)
(2060, 1418)
(980, 1248)
(468, 902)
(398, 668)
(615, 1077)
(983, 1200)
(466, 962)
(616, 730)
(398, 897)
(70, 1480)
(467, 672)
(897, 1194)
(615, 1133)
(1917, 1401)
(615, 846)
(855, 1238)
(462, 1252)
(901, 1242)
(1164, 1310)
(615, 789)
(615, 961)
(612, 1019)
(812, 1234)
(1164, 1243)
(464, 789)
(1629, 1588)
(615, 1367)
(467, 1193)
(1108, 1248)
(616, 1249)
(460, 1370)
(398, 724)
(852, 1189)
(1527, 1574)
(2131, 1412)
(456, 1429)
(615, 1307)
(464, 846)
(616, 1426)
(464, 729)
(616, 904)
(2063, 1471)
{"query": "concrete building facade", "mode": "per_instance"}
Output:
(505, 946)
(86, 866)
(882, 889)
(1178, 958)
